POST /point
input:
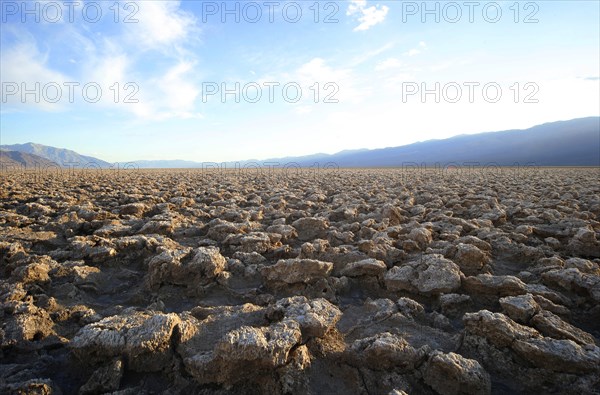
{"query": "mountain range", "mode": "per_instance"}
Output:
(62, 157)
(563, 143)
(16, 160)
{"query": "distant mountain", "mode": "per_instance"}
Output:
(61, 156)
(166, 164)
(13, 160)
(186, 164)
(564, 143)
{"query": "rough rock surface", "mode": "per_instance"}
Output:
(185, 267)
(292, 271)
(366, 281)
(495, 285)
(143, 338)
(431, 274)
(105, 379)
(520, 308)
(386, 351)
(315, 317)
(366, 267)
(451, 374)
(470, 258)
(245, 350)
(552, 357)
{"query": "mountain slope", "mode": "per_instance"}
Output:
(63, 157)
(564, 143)
(14, 160)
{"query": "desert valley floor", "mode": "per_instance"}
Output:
(367, 281)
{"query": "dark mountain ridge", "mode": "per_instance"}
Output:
(63, 157)
(564, 143)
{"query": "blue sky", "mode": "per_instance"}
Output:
(369, 64)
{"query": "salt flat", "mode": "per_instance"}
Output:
(378, 281)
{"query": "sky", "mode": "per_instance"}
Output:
(215, 81)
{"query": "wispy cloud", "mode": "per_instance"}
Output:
(367, 16)
(390, 63)
(154, 53)
(368, 55)
(417, 50)
(173, 96)
(25, 67)
(343, 81)
(161, 25)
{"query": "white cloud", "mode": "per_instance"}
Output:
(365, 56)
(416, 51)
(343, 82)
(302, 110)
(163, 34)
(317, 70)
(175, 95)
(355, 6)
(160, 24)
(169, 91)
(323, 85)
(391, 63)
(23, 65)
(367, 16)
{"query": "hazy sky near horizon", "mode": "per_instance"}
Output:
(129, 80)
